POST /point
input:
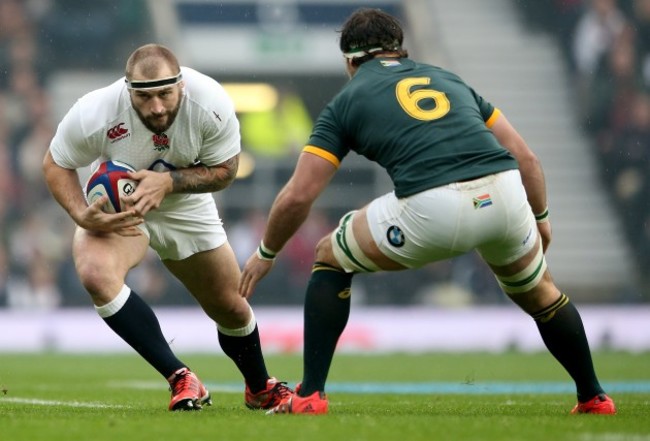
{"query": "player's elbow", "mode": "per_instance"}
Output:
(528, 159)
(50, 169)
(48, 162)
(295, 199)
(298, 199)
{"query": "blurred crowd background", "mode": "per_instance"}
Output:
(606, 44)
(606, 47)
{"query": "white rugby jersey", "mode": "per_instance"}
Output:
(103, 125)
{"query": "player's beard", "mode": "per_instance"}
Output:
(155, 122)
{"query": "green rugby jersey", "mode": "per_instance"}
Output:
(423, 124)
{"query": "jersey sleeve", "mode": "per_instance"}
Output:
(70, 147)
(327, 138)
(489, 113)
(221, 135)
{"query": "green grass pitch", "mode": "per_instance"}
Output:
(511, 396)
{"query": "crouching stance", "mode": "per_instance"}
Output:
(464, 180)
(178, 128)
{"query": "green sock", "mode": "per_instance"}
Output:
(564, 335)
(327, 308)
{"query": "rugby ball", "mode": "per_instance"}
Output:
(110, 179)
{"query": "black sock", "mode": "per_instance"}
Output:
(137, 324)
(564, 335)
(246, 352)
(327, 309)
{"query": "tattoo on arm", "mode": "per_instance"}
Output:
(205, 179)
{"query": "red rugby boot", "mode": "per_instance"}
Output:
(315, 404)
(270, 397)
(188, 393)
(600, 404)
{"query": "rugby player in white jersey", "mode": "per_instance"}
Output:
(178, 128)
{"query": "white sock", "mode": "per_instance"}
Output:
(112, 307)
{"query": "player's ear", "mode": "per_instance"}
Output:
(350, 67)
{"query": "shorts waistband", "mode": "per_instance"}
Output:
(478, 182)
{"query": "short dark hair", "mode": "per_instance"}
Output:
(149, 59)
(369, 28)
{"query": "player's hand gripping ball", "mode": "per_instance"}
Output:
(110, 179)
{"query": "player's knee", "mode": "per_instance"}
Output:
(539, 298)
(230, 315)
(94, 277)
(324, 253)
(99, 277)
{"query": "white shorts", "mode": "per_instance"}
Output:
(184, 225)
(490, 214)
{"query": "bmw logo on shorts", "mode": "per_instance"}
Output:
(395, 236)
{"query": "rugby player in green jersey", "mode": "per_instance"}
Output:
(464, 180)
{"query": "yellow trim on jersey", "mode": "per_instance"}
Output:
(493, 118)
(323, 154)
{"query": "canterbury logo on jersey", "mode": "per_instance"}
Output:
(117, 132)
